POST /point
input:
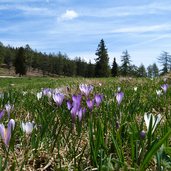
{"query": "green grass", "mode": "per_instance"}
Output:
(107, 138)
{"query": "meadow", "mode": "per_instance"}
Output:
(85, 124)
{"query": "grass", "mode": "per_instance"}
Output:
(107, 138)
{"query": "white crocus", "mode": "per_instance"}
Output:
(27, 127)
(153, 119)
(39, 95)
(159, 92)
(135, 88)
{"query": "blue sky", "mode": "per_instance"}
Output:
(75, 27)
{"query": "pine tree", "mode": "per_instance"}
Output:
(142, 71)
(20, 62)
(102, 66)
(155, 70)
(165, 60)
(150, 71)
(90, 70)
(125, 66)
(114, 68)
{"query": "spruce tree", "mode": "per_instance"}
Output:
(20, 62)
(142, 71)
(125, 66)
(165, 60)
(155, 70)
(114, 68)
(150, 71)
(102, 66)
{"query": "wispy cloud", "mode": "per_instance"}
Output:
(123, 11)
(143, 29)
(29, 10)
(68, 15)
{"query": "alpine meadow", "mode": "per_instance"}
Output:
(85, 85)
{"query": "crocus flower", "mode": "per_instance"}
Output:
(27, 127)
(76, 105)
(24, 93)
(153, 119)
(135, 88)
(165, 87)
(159, 92)
(69, 105)
(98, 99)
(39, 95)
(8, 108)
(47, 92)
(80, 113)
(119, 97)
(119, 89)
(142, 134)
(2, 112)
(90, 103)
(6, 132)
(58, 98)
(85, 89)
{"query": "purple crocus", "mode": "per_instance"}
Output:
(85, 89)
(69, 105)
(8, 108)
(90, 103)
(76, 103)
(58, 98)
(142, 134)
(75, 107)
(98, 99)
(6, 132)
(47, 92)
(80, 113)
(119, 97)
(165, 87)
(2, 112)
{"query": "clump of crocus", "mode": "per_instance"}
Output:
(165, 87)
(85, 89)
(27, 127)
(119, 96)
(58, 98)
(6, 132)
(153, 120)
(98, 99)
(75, 108)
(8, 108)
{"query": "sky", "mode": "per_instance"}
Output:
(75, 27)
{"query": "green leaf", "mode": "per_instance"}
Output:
(153, 151)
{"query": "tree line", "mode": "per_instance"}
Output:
(26, 59)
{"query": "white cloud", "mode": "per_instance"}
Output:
(68, 15)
